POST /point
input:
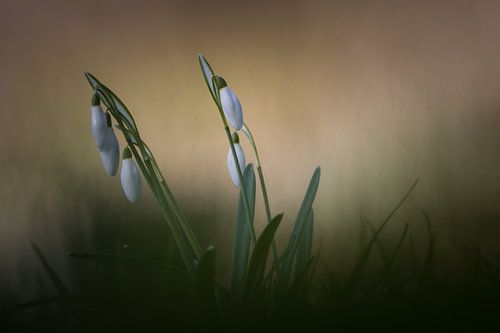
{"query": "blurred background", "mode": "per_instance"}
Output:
(377, 93)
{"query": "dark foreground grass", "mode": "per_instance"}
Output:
(140, 289)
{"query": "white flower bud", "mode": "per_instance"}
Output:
(231, 107)
(231, 165)
(110, 155)
(99, 126)
(130, 177)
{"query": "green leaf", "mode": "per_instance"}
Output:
(241, 244)
(291, 249)
(208, 72)
(113, 100)
(259, 254)
(112, 256)
(61, 288)
(357, 272)
(304, 247)
(204, 284)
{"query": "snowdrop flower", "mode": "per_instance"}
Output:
(105, 138)
(231, 165)
(230, 104)
(99, 123)
(110, 155)
(130, 177)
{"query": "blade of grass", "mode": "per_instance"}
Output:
(204, 286)
(259, 255)
(358, 269)
(302, 262)
(112, 256)
(57, 282)
(288, 255)
(241, 244)
(384, 276)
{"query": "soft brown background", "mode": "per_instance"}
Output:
(377, 93)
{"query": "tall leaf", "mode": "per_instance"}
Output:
(113, 99)
(57, 282)
(241, 244)
(204, 284)
(291, 249)
(259, 255)
(304, 247)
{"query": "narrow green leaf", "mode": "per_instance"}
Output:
(93, 81)
(113, 99)
(358, 269)
(204, 284)
(298, 287)
(387, 271)
(208, 72)
(304, 247)
(241, 244)
(291, 249)
(259, 255)
(111, 256)
(56, 280)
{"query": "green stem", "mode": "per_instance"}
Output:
(186, 228)
(151, 176)
(242, 185)
(238, 169)
(265, 197)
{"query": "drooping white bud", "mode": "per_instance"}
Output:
(231, 107)
(110, 155)
(130, 177)
(99, 123)
(231, 165)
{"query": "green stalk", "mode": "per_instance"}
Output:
(235, 157)
(151, 177)
(185, 226)
(265, 197)
(242, 185)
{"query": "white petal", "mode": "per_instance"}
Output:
(231, 107)
(131, 180)
(99, 126)
(110, 155)
(231, 165)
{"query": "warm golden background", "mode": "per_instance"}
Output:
(377, 93)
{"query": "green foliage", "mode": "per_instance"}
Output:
(204, 284)
(259, 255)
(241, 243)
(304, 217)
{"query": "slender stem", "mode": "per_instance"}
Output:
(151, 176)
(249, 135)
(242, 184)
(185, 250)
(195, 245)
(238, 169)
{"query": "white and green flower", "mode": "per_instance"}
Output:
(231, 165)
(105, 138)
(230, 104)
(130, 177)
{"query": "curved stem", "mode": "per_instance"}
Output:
(150, 171)
(242, 185)
(238, 169)
(265, 197)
